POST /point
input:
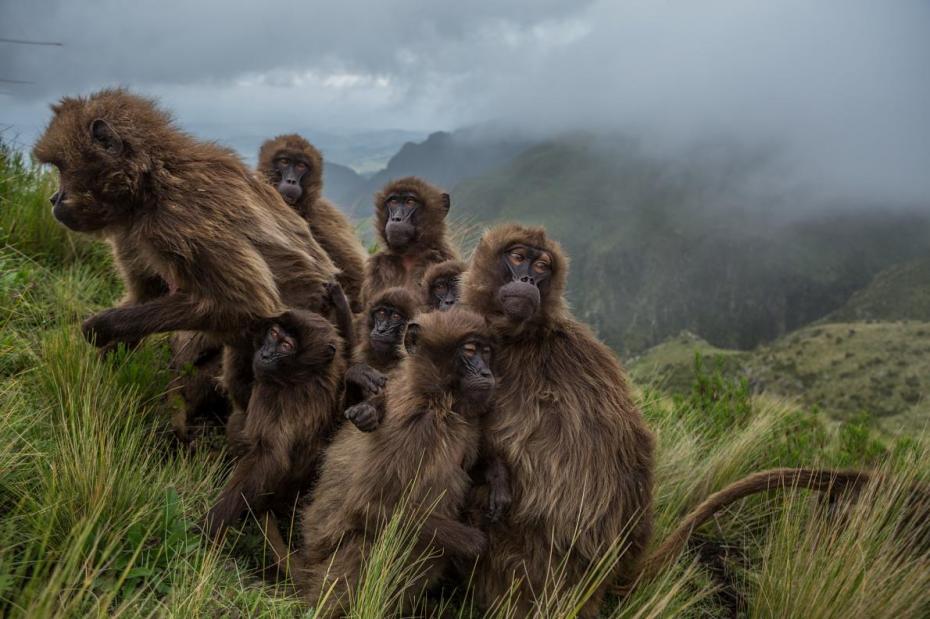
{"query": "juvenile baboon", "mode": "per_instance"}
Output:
(381, 335)
(410, 220)
(295, 168)
(441, 285)
(422, 453)
(201, 243)
(295, 407)
(579, 452)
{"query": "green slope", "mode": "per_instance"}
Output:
(846, 369)
(901, 292)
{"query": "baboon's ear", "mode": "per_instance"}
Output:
(106, 136)
(412, 338)
(330, 352)
(446, 201)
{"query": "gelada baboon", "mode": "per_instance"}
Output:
(422, 453)
(565, 425)
(441, 285)
(381, 336)
(410, 220)
(200, 242)
(296, 405)
(579, 452)
(295, 168)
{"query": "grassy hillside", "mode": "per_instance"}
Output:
(880, 370)
(99, 507)
(705, 242)
(900, 292)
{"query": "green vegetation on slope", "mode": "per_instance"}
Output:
(900, 292)
(877, 369)
(98, 506)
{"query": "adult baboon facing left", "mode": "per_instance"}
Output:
(201, 243)
(410, 220)
(295, 168)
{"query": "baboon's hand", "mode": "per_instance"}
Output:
(476, 543)
(499, 500)
(366, 378)
(335, 295)
(98, 329)
(364, 416)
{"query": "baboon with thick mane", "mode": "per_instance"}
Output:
(294, 409)
(564, 422)
(410, 221)
(578, 451)
(441, 285)
(295, 168)
(422, 452)
(201, 243)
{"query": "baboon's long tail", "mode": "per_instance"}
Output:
(821, 480)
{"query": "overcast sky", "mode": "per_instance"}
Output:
(843, 84)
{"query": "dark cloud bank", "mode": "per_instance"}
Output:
(839, 87)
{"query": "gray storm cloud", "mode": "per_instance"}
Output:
(840, 85)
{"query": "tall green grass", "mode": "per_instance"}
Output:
(99, 509)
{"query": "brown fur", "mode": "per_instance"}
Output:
(329, 226)
(201, 243)
(451, 269)
(391, 268)
(197, 368)
(426, 445)
(401, 300)
(291, 416)
(578, 449)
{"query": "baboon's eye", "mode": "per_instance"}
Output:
(286, 346)
(470, 349)
(393, 201)
(540, 266)
(381, 313)
(300, 167)
(441, 287)
(487, 351)
(395, 317)
(517, 257)
(284, 161)
(275, 332)
(411, 202)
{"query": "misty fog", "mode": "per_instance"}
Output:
(838, 88)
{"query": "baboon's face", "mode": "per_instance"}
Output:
(290, 170)
(387, 329)
(474, 361)
(444, 293)
(402, 210)
(289, 349)
(95, 177)
(525, 272)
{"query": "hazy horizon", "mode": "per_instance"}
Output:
(838, 88)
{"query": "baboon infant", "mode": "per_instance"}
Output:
(294, 409)
(421, 455)
(440, 288)
(381, 336)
